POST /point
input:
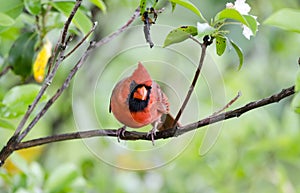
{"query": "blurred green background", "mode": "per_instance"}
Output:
(257, 152)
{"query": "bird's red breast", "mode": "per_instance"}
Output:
(137, 100)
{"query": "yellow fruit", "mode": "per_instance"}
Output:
(41, 61)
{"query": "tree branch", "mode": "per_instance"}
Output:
(5, 70)
(228, 104)
(206, 42)
(162, 134)
(68, 22)
(239, 111)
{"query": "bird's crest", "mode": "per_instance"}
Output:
(141, 75)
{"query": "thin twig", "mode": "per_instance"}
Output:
(82, 40)
(5, 70)
(228, 104)
(147, 34)
(195, 40)
(162, 134)
(38, 27)
(68, 22)
(62, 42)
(120, 30)
(193, 84)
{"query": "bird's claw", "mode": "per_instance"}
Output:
(121, 132)
(152, 132)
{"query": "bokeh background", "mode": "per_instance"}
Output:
(257, 152)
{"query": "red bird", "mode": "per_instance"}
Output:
(137, 101)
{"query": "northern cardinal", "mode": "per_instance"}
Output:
(137, 101)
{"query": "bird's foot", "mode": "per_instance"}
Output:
(152, 133)
(121, 132)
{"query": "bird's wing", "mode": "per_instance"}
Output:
(161, 100)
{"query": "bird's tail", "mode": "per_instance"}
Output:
(167, 122)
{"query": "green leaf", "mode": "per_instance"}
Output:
(17, 100)
(143, 6)
(187, 4)
(239, 52)
(6, 125)
(180, 34)
(6, 20)
(173, 6)
(192, 30)
(80, 20)
(146, 4)
(61, 177)
(7, 37)
(12, 8)
(220, 45)
(287, 19)
(252, 23)
(100, 4)
(296, 103)
(231, 14)
(297, 84)
(33, 6)
(21, 54)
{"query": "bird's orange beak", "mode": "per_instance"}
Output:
(140, 93)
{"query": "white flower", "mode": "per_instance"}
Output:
(240, 5)
(247, 32)
(243, 8)
(230, 5)
(204, 29)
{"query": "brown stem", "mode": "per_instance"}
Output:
(239, 111)
(195, 79)
(162, 134)
(63, 40)
(68, 22)
(5, 70)
(228, 104)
